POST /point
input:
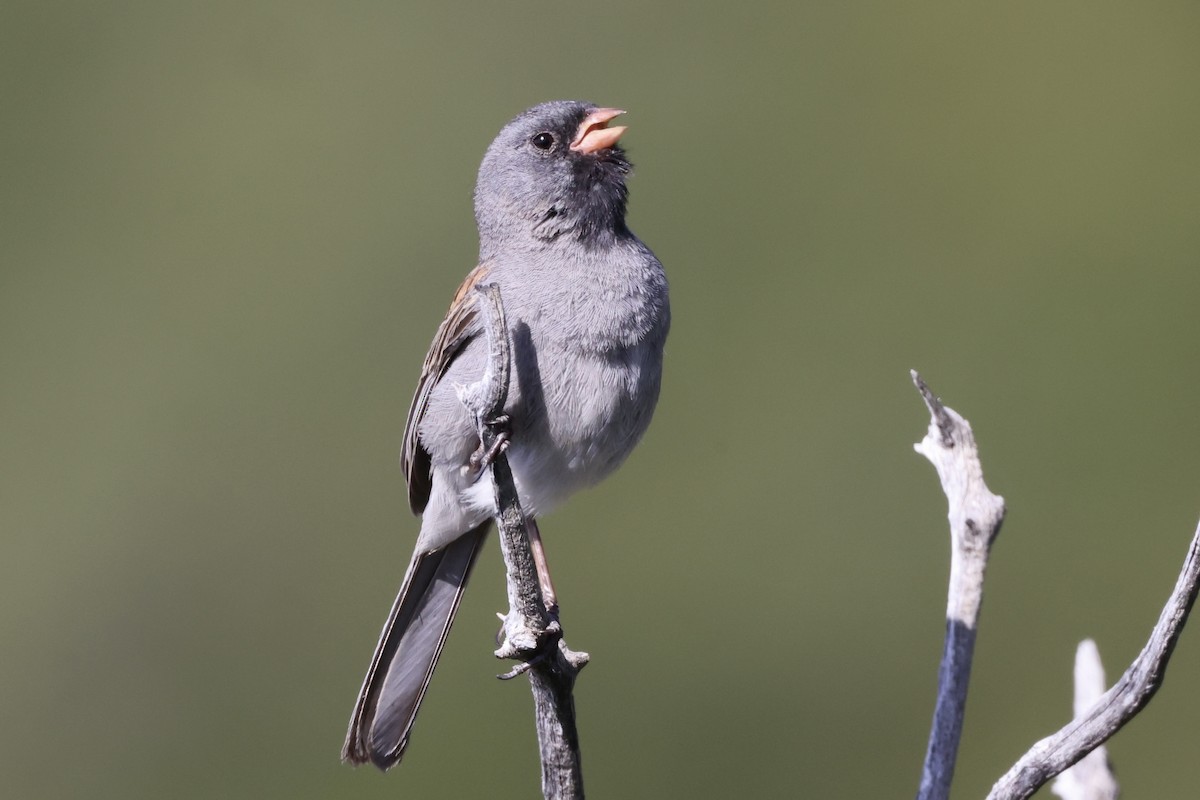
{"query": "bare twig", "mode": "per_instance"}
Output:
(1091, 777)
(532, 636)
(1118, 705)
(975, 516)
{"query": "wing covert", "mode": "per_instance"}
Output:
(460, 326)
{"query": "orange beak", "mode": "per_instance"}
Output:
(593, 133)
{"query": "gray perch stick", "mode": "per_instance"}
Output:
(531, 635)
(1118, 705)
(975, 516)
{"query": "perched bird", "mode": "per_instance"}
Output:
(586, 303)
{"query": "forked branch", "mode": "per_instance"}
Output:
(975, 518)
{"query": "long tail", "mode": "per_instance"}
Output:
(408, 651)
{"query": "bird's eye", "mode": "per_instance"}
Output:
(543, 140)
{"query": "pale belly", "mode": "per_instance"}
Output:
(591, 419)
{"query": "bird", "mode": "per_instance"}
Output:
(588, 316)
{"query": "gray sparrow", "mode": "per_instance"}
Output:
(587, 309)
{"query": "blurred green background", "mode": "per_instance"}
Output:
(229, 231)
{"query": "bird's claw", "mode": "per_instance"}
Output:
(482, 458)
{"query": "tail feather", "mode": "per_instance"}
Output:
(408, 650)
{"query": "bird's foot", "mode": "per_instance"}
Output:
(482, 458)
(520, 641)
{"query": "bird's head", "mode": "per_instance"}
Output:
(555, 171)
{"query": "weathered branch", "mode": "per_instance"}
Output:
(1091, 777)
(531, 635)
(1118, 705)
(975, 516)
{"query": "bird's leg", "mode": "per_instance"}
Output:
(549, 596)
(543, 569)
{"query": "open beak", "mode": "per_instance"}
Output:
(593, 133)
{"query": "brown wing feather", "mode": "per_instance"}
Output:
(459, 327)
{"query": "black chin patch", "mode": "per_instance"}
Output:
(600, 194)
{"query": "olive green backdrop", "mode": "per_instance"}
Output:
(228, 231)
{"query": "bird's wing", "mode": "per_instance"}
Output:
(461, 325)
